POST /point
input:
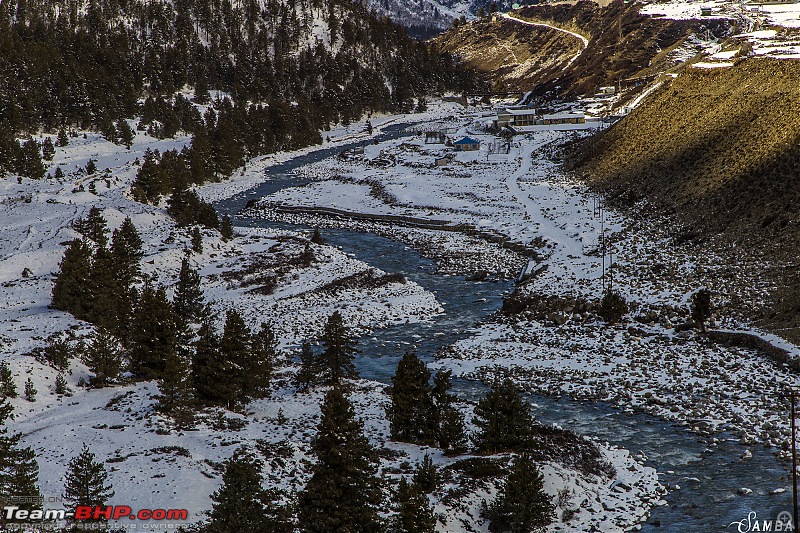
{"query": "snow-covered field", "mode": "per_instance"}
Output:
(152, 465)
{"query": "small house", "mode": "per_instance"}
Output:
(467, 144)
(434, 137)
(444, 160)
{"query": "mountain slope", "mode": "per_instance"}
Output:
(719, 150)
(622, 44)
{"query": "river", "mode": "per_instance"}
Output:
(708, 473)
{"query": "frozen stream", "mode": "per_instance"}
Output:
(709, 474)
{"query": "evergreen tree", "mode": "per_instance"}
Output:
(343, 493)
(62, 139)
(260, 364)
(91, 167)
(30, 161)
(241, 504)
(451, 431)
(19, 471)
(85, 482)
(340, 350)
(103, 357)
(427, 475)
(503, 419)
(153, 333)
(521, 506)
(188, 301)
(126, 134)
(316, 238)
(210, 370)
(48, 149)
(177, 395)
(309, 373)
(8, 389)
(61, 388)
(72, 282)
(226, 228)
(30, 390)
(95, 227)
(235, 349)
(58, 174)
(414, 512)
(197, 240)
(412, 413)
(126, 253)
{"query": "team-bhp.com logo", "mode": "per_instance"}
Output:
(91, 513)
(782, 523)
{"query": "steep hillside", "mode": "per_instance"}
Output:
(622, 44)
(720, 150)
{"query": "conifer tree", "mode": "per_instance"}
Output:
(95, 227)
(62, 139)
(48, 149)
(260, 364)
(188, 301)
(309, 373)
(427, 475)
(226, 228)
(8, 389)
(153, 333)
(177, 394)
(521, 506)
(343, 493)
(126, 134)
(125, 254)
(210, 370)
(337, 357)
(61, 386)
(414, 512)
(91, 167)
(451, 430)
(197, 240)
(241, 504)
(503, 419)
(85, 481)
(235, 349)
(58, 174)
(19, 471)
(30, 160)
(103, 357)
(412, 412)
(72, 282)
(30, 390)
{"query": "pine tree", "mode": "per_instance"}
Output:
(188, 301)
(48, 149)
(427, 475)
(30, 390)
(241, 504)
(260, 364)
(226, 228)
(30, 161)
(153, 333)
(197, 240)
(235, 349)
(95, 227)
(309, 373)
(412, 412)
(8, 389)
(91, 167)
(126, 252)
(451, 430)
(62, 139)
(72, 282)
(414, 512)
(343, 493)
(103, 357)
(340, 350)
(503, 419)
(521, 506)
(210, 370)
(58, 174)
(85, 482)
(177, 394)
(126, 134)
(61, 388)
(316, 238)
(19, 471)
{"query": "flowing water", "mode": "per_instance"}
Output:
(709, 474)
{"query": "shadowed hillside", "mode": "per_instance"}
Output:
(719, 149)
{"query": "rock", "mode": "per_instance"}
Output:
(744, 491)
(746, 455)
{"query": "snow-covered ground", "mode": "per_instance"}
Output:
(152, 465)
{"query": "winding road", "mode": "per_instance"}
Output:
(583, 39)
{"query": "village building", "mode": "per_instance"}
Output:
(467, 144)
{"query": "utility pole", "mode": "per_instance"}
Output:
(794, 463)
